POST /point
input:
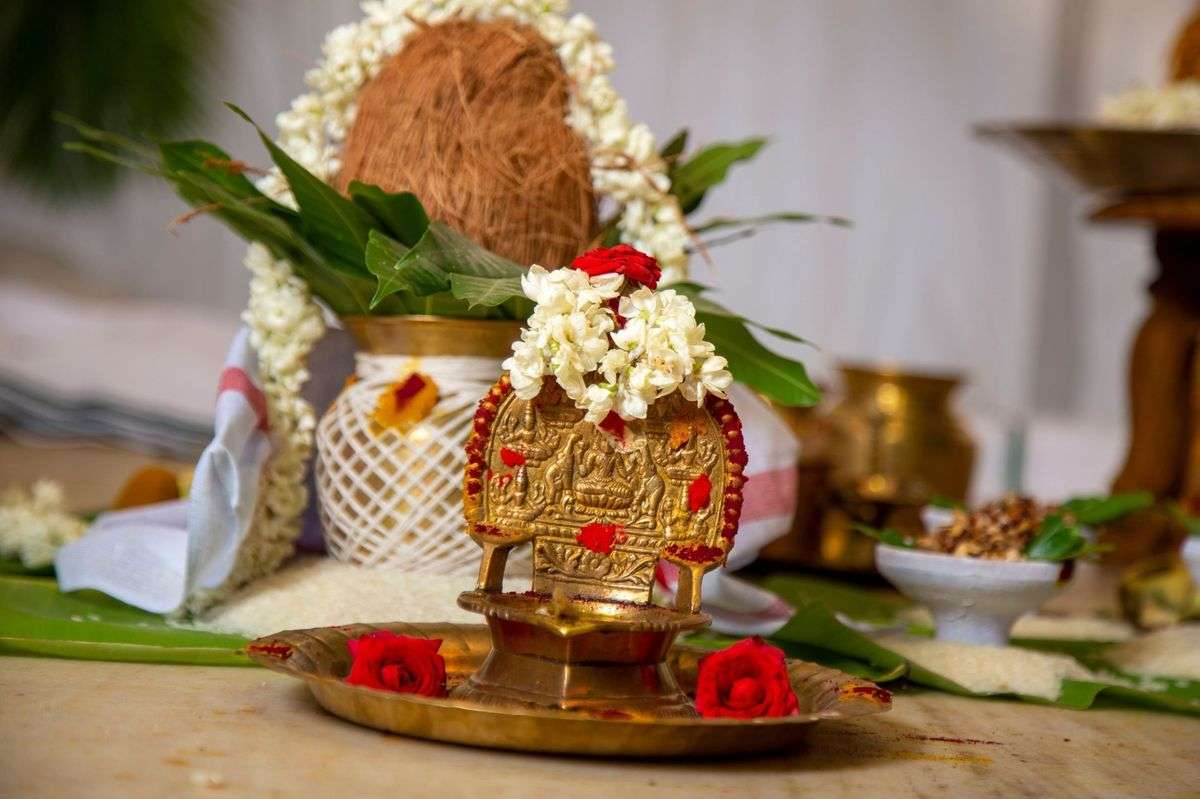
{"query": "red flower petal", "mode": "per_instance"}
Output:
(614, 425)
(623, 259)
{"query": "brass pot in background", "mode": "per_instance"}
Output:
(889, 444)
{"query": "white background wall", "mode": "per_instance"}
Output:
(961, 257)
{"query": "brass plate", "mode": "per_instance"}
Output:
(1099, 158)
(320, 658)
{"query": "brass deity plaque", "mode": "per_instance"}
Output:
(599, 505)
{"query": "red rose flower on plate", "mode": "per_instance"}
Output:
(748, 680)
(397, 663)
(623, 260)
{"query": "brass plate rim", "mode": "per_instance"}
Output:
(649, 736)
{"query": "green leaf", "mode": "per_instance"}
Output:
(210, 161)
(335, 225)
(675, 147)
(694, 292)
(875, 606)
(1101, 509)
(885, 535)
(783, 380)
(427, 268)
(691, 179)
(486, 291)
(344, 290)
(722, 222)
(458, 254)
(401, 215)
(1057, 540)
(36, 619)
(401, 268)
(815, 634)
(946, 503)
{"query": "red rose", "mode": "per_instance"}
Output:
(622, 259)
(398, 663)
(748, 680)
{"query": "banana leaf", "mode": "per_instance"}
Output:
(37, 619)
(815, 628)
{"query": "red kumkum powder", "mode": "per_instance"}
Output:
(699, 493)
(600, 537)
(511, 457)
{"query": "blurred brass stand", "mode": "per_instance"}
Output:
(883, 451)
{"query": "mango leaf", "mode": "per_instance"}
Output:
(691, 179)
(458, 254)
(344, 290)
(695, 291)
(402, 269)
(1101, 509)
(401, 215)
(428, 267)
(486, 291)
(213, 162)
(723, 222)
(36, 619)
(335, 225)
(783, 380)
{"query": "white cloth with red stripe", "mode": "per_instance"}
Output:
(155, 557)
(769, 502)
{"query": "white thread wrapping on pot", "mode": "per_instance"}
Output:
(394, 500)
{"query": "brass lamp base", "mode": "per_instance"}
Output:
(603, 658)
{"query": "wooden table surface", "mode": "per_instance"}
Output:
(75, 728)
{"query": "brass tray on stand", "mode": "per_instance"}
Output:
(321, 659)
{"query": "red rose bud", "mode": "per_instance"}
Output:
(745, 681)
(600, 537)
(391, 662)
(511, 457)
(698, 493)
(622, 260)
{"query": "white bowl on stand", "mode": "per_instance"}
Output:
(973, 600)
(1191, 558)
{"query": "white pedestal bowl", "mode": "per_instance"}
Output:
(1191, 558)
(973, 600)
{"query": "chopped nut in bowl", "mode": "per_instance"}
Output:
(979, 571)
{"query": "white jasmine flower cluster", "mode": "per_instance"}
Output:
(35, 523)
(1176, 105)
(625, 161)
(567, 334)
(573, 336)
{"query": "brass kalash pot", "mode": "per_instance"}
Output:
(890, 445)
